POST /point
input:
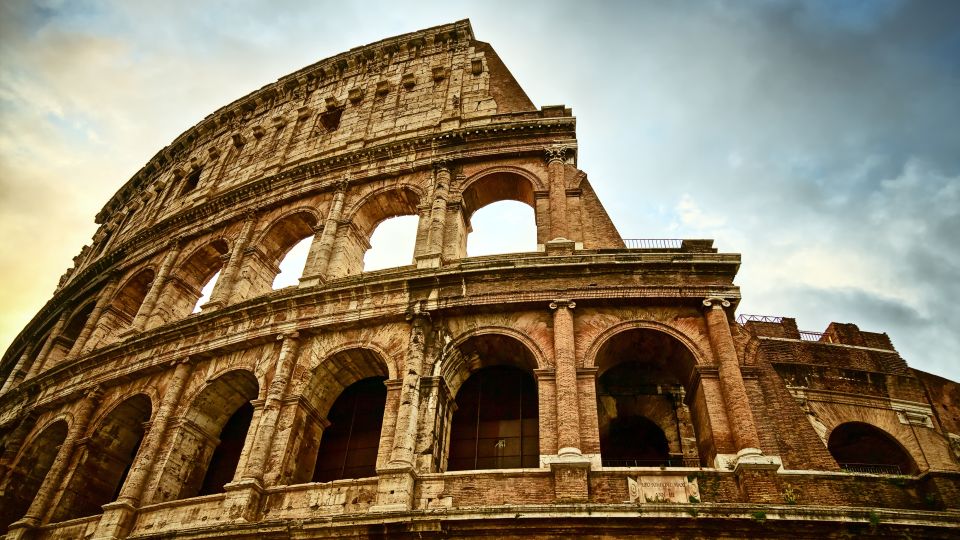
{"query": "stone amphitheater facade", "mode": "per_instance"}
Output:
(596, 387)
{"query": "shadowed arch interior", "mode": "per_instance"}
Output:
(499, 186)
(858, 446)
(105, 460)
(27, 475)
(329, 382)
(273, 247)
(348, 448)
(649, 410)
(211, 437)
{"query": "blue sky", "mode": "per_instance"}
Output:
(818, 139)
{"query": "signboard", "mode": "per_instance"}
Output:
(663, 489)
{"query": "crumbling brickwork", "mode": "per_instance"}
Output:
(327, 409)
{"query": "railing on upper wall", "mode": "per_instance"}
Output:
(819, 337)
(870, 468)
(653, 243)
(744, 318)
(669, 462)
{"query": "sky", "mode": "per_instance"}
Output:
(821, 140)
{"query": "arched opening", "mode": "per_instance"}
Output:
(499, 214)
(649, 413)
(105, 460)
(122, 309)
(502, 227)
(280, 255)
(206, 292)
(350, 443)
(209, 443)
(496, 424)
(63, 343)
(28, 473)
(184, 291)
(497, 419)
(341, 415)
(226, 456)
(860, 447)
(391, 243)
(291, 267)
(354, 240)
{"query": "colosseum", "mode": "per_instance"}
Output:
(595, 387)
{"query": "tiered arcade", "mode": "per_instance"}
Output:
(594, 386)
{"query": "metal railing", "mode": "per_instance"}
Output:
(806, 335)
(744, 318)
(669, 462)
(653, 243)
(870, 468)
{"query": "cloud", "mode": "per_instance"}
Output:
(817, 139)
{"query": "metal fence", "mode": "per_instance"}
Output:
(669, 462)
(653, 243)
(744, 318)
(807, 335)
(870, 468)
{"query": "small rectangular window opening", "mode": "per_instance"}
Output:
(330, 119)
(191, 182)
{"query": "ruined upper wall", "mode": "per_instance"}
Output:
(426, 81)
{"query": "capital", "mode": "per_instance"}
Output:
(442, 165)
(716, 302)
(288, 335)
(94, 394)
(342, 184)
(556, 153)
(569, 304)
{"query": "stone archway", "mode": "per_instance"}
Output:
(647, 379)
(29, 471)
(861, 447)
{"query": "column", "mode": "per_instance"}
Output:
(150, 301)
(225, 283)
(102, 302)
(267, 424)
(405, 435)
(568, 406)
(438, 214)
(149, 448)
(731, 380)
(15, 442)
(556, 157)
(18, 372)
(51, 483)
(41, 358)
(315, 269)
(395, 483)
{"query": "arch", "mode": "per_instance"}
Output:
(183, 289)
(353, 240)
(351, 442)
(496, 421)
(261, 266)
(863, 447)
(123, 307)
(590, 356)
(487, 346)
(329, 380)
(63, 343)
(499, 184)
(213, 430)
(384, 203)
(105, 460)
(286, 231)
(647, 375)
(29, 471)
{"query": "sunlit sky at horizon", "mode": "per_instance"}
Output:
(819, 139)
